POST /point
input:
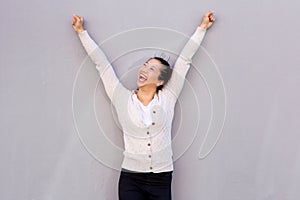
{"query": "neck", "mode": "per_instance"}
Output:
(146, 93)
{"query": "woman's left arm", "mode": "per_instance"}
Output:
(183, 62)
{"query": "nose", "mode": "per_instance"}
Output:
(144, 69)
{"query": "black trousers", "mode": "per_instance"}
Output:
(145, 186)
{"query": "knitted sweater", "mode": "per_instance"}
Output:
(147, 147)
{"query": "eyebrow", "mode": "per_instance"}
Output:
(152, 65)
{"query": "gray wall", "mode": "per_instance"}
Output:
(53, 106)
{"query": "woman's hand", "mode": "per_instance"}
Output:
(77, 23)
(207, 20)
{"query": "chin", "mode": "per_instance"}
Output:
(139, 84)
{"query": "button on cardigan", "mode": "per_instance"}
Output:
(147, 147)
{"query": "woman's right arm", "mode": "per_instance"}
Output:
(110, 81)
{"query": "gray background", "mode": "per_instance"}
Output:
(255, 45)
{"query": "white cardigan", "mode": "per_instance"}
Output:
(147, 148)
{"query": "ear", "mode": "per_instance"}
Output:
(160, 83)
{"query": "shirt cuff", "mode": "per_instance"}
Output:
(198, 35)
(87, 42)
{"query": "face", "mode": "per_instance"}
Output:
(148, 74)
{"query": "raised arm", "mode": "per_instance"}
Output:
(182, 64)
(110, 81)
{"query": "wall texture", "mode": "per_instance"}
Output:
(236, 130)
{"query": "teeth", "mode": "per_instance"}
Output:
(142, 77)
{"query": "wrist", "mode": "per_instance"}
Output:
(203, 27)
(80, 30)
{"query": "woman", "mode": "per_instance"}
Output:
(146, 114)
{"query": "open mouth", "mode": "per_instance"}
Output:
(142, 78)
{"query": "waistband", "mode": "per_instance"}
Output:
(129, 171)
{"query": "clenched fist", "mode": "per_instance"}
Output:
(207, 20)
(77, 23)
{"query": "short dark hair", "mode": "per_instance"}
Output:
(165, 73)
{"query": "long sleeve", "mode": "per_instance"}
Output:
(182, 64)
(111, 83)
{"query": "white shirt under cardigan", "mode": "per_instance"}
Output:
(147, 146)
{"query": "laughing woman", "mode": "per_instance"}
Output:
(146, 114)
